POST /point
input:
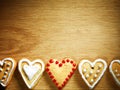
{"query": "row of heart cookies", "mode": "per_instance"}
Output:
(59, 71)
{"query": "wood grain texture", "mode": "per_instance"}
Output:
(79, 29)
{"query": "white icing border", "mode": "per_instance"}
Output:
(31, 63)
(13, 65)
(92, 64)
(111, 71)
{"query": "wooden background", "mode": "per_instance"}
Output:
(78, 29)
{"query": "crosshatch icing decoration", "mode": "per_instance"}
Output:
(92, 72)
(60, 71)
(31, 71)
(7, 68)
(115, 70)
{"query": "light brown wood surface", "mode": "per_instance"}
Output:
(78, 29)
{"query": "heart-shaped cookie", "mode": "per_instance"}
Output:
(92, 72)
(60, 72)
(7, 68)
(31, 71)
(114, 69)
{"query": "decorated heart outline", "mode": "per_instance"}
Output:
(92, 65)
(111, 71)
(10, 72)
(31, 63)
(60, 64)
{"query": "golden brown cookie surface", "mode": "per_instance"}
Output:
(92, 72)
(115, 70)
(60, 72)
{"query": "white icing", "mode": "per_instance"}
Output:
(10, 72)
(2, 80)
(92, 65)
(87, 75)
(113, 74)
(91, 72)
(95, 76)
(116, 71)
(100, 66)
(1, 69)
(91, 81)
(31, 70)
(98, 71)
(4, 76)
(118, 75)
(7, 69)
(5, 73)
(84, 70)
(41, 67)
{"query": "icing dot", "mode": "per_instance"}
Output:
(51, 61)
(116, 71)
(60, 65)
(84, 70)
(95, 76)
(91, 81)
(100, 66)
(1, 69)
(5, 73)
(118, 75)
(98, 71)
(56, 62)
(87, 75)
(7, 69)
(4, 77)
(91, 72)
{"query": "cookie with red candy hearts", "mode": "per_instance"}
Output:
(60, 71)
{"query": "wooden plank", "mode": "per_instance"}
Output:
(79, 29)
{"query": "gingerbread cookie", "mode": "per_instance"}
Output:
(7, 68)
(92, 72)
(31, 71)
(60, 71)
(115, 70)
